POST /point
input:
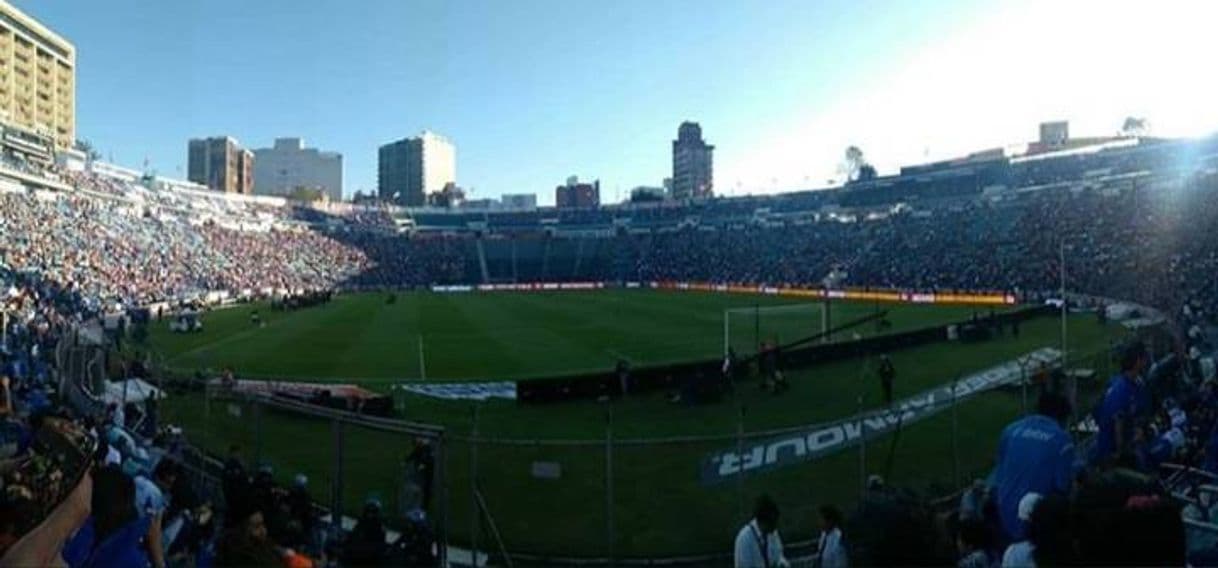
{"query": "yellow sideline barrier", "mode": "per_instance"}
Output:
(896, 296)
(983, 298)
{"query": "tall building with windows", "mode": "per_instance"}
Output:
(693, 167)
(288, 166)
(37, 78)
(411, 168)
(576, 195)
(221, 164)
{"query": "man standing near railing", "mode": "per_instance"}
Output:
(151, 500)
(1121, 405)
(887, 373)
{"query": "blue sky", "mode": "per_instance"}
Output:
(532, 91)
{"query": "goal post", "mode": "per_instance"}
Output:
(746, 328)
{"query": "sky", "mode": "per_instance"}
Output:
(533, 91)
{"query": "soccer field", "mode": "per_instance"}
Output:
(650, 493)
(365, 339)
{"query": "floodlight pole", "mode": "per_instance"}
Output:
(609, 533)
(422, 362)
(740, 457)
(955, 435)
(336, 491)
(757, 327)
(727, 315)
(825, 317)
(473, 487)
(862, 447)
(1062, 267)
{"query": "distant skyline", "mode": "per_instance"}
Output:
(533, 91)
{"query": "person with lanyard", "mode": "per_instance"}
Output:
(830, 549)
(758, 544)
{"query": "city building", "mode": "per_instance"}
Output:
(519, 201)
(1055, 138)
(693, 168)
(410, 169)
(577, 195)
(288, 166)
(1054, 133)
(37, 78)
(221, 164)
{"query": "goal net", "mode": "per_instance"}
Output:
(745, 329)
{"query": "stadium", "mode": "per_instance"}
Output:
(1006, 353)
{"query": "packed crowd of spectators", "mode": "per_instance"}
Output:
(1138, 240)
(113, 253)
(394, 261)
(1143, 243)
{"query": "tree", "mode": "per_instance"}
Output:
(87, 148)
(1135, 126)
(855, 165)
(449, 197)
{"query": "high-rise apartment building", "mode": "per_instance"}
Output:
(693, 168)
(221, 164)
(37, 78)
(288, 166)
(574, 194)
(410, 169)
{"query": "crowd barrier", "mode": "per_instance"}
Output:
(990, 298)
(672, 376)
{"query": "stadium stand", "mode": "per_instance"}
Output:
(1134, 223)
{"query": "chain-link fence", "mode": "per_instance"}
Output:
(619, 498)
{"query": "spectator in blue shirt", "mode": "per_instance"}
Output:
(113, 534)
(150, 493)
(1035, 455)
(150, 502)
(1116, 412)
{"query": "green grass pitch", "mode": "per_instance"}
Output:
(659, 507)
